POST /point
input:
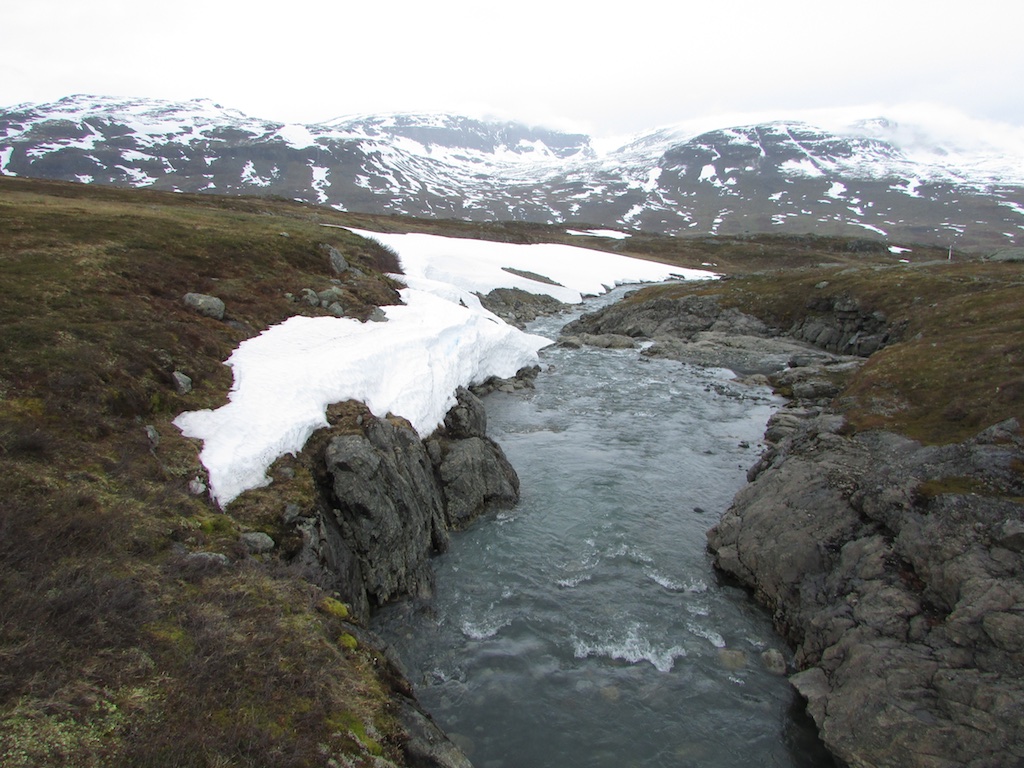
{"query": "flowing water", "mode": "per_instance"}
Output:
(586, 626)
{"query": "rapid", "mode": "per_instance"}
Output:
(586, 626)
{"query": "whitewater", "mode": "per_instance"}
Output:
(438, 339)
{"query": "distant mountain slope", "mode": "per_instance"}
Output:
(876, 179)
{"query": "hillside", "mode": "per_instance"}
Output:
(124, 640)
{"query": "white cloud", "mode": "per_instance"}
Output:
(571, 64)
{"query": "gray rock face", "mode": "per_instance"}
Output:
(839, 324)
(390, 498)
(427, 746)
(661, 317)
(210, 306)
(388, 507)
(518, 307)
(894, 582)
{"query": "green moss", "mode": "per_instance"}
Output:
(345, 640)
(332, 607)
(350, 724)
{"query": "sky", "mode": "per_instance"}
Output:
(607, 69)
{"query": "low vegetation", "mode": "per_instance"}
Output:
(117, 645)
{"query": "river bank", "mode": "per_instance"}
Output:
(894, 569)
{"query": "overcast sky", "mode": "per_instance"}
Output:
(604, 68)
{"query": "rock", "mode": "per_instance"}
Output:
(331, 295)
(337, 261)
(196, 486)
(257, 542)
(310, 297)
(675, 318)
(391, 499)
(388, 507)
(182, 383)
(475, 476)
(426, 745)
(204, 561)
(292, 514)
(467, 418)
(336, 309)
(606, 340)
(731, 659)
(153, 435)
(1007, 255)
(210, 306)
(518, 307)
(774, 661)
(1011, 535)
(377, 316)
(904, 606)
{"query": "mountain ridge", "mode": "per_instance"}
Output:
(786, 176)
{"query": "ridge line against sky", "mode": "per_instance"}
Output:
(568, 65)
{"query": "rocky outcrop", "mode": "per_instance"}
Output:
(661, 317)
(518, 307)
(389, 498)
(897, 572)
(698, 330)
(840, 324)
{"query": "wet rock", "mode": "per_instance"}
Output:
(731, 659)
(426, 745)
(475, 476)
(605, 340)
(773, 660)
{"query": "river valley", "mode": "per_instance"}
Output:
(586, 626)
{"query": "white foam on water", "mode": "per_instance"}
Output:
(633, 648)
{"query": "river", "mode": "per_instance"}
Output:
(586, 626)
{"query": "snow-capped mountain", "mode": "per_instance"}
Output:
(876, 178)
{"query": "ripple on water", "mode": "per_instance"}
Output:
(585, 628)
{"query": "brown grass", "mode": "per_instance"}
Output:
(115, 648)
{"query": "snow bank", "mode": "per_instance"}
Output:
(441, 338)
(479, 266)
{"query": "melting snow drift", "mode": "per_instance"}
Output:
(441, 338)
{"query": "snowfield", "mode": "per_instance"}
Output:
(441, 338)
